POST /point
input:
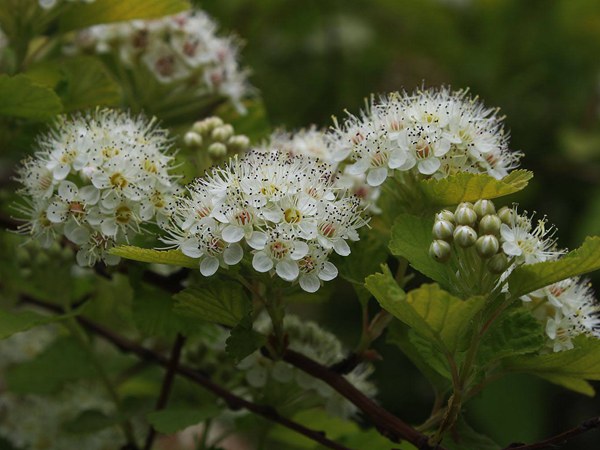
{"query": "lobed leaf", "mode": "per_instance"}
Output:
(218, 301)
(244, 340)
(428, 310)
(570, 368)
(170, 257)
(83, 14)
(470, 187)
(529, 278)
(23, 98)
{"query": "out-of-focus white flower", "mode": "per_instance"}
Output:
(182, 50)
(96, 178)
(288, 211)
(310, 339)
(434, 132)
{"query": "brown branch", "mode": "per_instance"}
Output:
(559, 439)
(167, 384)
(389, 425)
(233, 401)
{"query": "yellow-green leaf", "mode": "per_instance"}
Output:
(428, 310)
(529, 278)
(568, 368)
(83, 14)
(170, 257)
(469, 187)
(22, 97)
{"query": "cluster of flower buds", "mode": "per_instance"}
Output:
(310, 339)
(472, 225)
(96, 179)
(180, 49)
(216, 138)
(288, 211)
(504, 239)
(435, 133)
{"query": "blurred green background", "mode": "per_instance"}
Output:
(538, 60)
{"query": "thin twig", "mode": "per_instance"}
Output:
(389, 425)
(232, 401)
(561, 438)
(167, 385)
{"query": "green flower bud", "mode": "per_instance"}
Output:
(465, 216)
(239, 142)
(442, 229)
(484, 207)
(444, 214)
(465, 236)
(506, 215)
(217, 150)
(192, 139)
(464, 205)
(222, 133)
(205, 126)
(497, 263)
(487, 246)
(440, 251)
(490, 224)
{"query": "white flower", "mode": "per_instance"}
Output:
(288, 211)
(96, 178)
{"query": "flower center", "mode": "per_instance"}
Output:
(279, 249)
(118, 181)
(123, 214)
(77, 209)
(423, 149)
(215, 246)
(165, 65)
(244, 217)
(307, 264)
(379, 159)
(149, 166)
(110, 152)
(68, 156)
(292, 215)
(327, 230)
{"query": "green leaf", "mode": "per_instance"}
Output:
(529, 278)
(215, 301)
(469, 187)
(170, 257)
(92, 421)
(244, 340)
(23, 98)
(429, 310)
(154, 313)
(172, 420)
(82, 14)
(568, 368)
(516, 333)
(400, 335)
(411, 237)
(430, 354)
(15, 322)
(63, 361)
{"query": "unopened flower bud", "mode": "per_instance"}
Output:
(192, 139)
(442, 229)
(465, 216)
(490, 224)
(222, 133)
(506, 215)
(464, 205)
(465, 236)
(440, 251)
(484, 207)
(444, 214)
(239, 142)
(497, 263)
(487, 246)
(205, 126)
(217, 150)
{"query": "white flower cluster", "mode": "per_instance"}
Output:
(310, 339)
(315, 143)
(568, 308)
(96, 178)
(288, 210)
(182, 48)
(33, 422)
(434, 132)
(504, 240)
